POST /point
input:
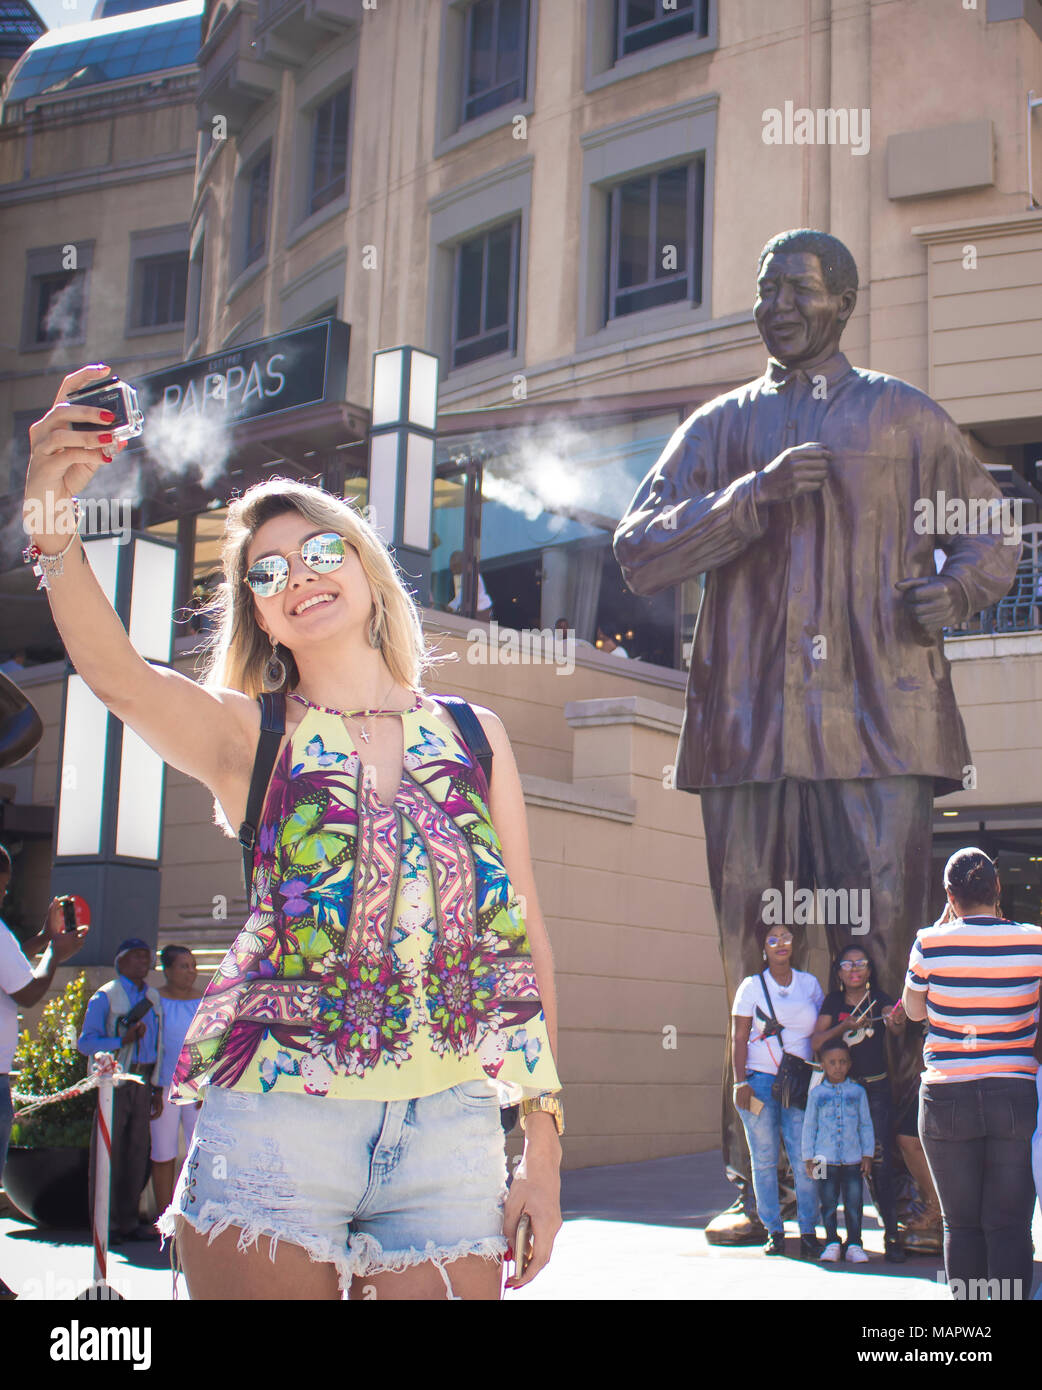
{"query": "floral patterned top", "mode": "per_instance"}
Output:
(386, 956)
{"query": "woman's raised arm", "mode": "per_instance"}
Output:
(201, 732)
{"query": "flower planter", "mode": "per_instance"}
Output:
(50, 1186)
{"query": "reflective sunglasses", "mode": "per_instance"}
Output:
(852, 964)
(778, 940)
(323, 554)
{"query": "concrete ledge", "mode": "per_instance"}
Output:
(583, 801)
(999, 644)
(624, 709)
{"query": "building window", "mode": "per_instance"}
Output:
(161, 291)
(628, 37)
(485, 321)
(654, 225)
(59, 304)
(646, 228)
(496, 55)
(541, 536)
(257, 188)
(329, 150)
(641, 23)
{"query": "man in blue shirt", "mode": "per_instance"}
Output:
(138, 1045)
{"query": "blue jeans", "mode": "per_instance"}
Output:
(765, 1133)
(6, 1119)
(842, 1180)
(977, 1140)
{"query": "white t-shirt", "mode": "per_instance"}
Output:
(15, 974)
(796, 1007)
(483, 600)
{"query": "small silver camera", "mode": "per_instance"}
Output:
(116, 396)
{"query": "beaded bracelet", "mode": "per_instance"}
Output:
(51, 565)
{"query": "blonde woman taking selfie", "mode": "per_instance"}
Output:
(386, 996)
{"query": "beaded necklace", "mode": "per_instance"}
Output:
(359, 714)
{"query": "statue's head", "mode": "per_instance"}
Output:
(806, 289)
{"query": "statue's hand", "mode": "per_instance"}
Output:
(933, 603)
(803, 468)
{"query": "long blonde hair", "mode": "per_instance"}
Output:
(239, 649)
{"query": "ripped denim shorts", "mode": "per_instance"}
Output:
(366, 1185)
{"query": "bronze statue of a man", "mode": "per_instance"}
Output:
(820, 720)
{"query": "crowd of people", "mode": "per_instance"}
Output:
(973, 982)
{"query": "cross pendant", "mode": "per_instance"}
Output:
(365, 736)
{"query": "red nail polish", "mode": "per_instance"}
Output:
(107, 416)
(104, 438)
(106, 457)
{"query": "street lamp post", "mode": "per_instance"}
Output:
(401, 459)
(109, 798)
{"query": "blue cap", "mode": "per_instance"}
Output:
(132, 943)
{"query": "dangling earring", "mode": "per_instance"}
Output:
(275, 670)
(375, 639)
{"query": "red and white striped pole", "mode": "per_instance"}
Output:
(102, 1172)
(104, 1067)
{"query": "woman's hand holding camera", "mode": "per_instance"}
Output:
(63, 460)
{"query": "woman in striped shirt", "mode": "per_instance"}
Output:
(975, 977)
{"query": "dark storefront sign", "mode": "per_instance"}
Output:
(306, 366)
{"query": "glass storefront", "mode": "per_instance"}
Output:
(541, 527)
(1017, 852)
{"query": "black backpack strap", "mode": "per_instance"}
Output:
(474, 735)
(273, 726)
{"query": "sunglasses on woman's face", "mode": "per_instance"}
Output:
(270, 574)
(779, 941)
(853, 964)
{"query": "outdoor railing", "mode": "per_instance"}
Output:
(1019, 611)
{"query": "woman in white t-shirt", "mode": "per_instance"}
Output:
(793, 998)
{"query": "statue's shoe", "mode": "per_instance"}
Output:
(923, 1238)
(735, 1227)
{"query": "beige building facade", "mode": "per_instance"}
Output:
(581, 256)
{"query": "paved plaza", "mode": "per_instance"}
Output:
(632, 1231)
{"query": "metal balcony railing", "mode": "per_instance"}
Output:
(1019, 611)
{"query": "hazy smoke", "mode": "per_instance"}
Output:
(178, 443)
(563, 467)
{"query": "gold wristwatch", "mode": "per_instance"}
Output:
(548, 1102)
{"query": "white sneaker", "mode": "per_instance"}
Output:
(856, 1256)
(830, 1255)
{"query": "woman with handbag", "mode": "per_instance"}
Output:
(388, 992)
(773, 1017)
